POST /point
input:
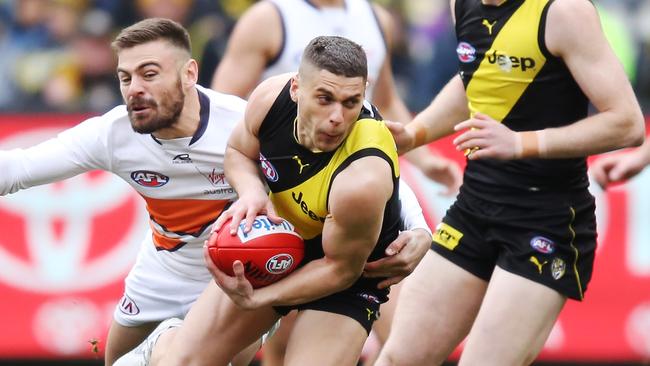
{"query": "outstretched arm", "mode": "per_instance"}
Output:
(434, 166)
(74, 151)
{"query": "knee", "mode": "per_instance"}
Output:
(407, 357)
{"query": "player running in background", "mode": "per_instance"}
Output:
(521, 237)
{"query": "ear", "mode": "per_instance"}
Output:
(293, 89)
(190, 73)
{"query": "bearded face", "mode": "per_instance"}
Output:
(149, 113)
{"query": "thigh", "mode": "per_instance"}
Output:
(159, 286)
(552, 244)
(437, 305)
(515, 319)
(387, 310)
(122, 339)
(274, 348)
(325, 339)
(215, 330)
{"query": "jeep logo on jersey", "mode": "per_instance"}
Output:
(466, 53)
(542, 245)
(150, 179)
(507, 63)
(269, 171)
(279, 263)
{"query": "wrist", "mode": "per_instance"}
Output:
(417, 133)
(530, 144)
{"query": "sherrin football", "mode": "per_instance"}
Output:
(269, 252)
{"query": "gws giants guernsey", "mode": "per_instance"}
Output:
(181, 180)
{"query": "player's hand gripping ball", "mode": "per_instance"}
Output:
(269, 252)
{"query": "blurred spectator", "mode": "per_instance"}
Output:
(56, 56)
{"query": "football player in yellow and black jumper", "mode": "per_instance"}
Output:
(521, 237)
(332, 169)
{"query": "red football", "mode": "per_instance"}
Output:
(269, 251)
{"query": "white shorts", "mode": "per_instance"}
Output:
(162, 284)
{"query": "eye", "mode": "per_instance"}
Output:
(150, 74)
(351, 103)
(125, 80)
(324, 99)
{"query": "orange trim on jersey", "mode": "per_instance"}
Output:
(165, 243)
(184, 216)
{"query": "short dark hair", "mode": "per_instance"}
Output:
(153, 29)
(337, 55)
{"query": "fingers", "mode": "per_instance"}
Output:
(389, 282)
(207, 258)
(238, 270)
(600, 175)
(473, 123)
(397, 244)
(236, 221)
(225, 215)
(394, 127)
(272, 215)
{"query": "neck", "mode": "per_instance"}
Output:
(188, 121)
(493, 2)
(328, 3)
(304, 138)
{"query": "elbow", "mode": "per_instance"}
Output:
(632, 129)
(346, 276)
(636, 132)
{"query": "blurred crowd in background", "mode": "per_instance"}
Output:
(55, 55)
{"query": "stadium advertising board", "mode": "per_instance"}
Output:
(67, 247)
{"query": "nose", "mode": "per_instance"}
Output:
(336, 114)
(135, 88)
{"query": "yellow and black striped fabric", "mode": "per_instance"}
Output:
(300, 180)
(510, 75)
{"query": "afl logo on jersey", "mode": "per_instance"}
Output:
(148, 178)
(269, 171)
(466, 53)
(542, 244)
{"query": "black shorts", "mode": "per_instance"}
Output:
(360, 305)
(551, 241)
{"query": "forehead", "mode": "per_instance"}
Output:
(159, 52)
(340, 85)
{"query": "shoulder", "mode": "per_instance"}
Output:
(263, 97)
(569, 23)
(223, 101)
(260, 14)
(371, 137)
(260, 23)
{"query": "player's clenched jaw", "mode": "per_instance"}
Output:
(328, 106)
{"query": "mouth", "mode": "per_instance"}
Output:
(139, 110)
(330, 137)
